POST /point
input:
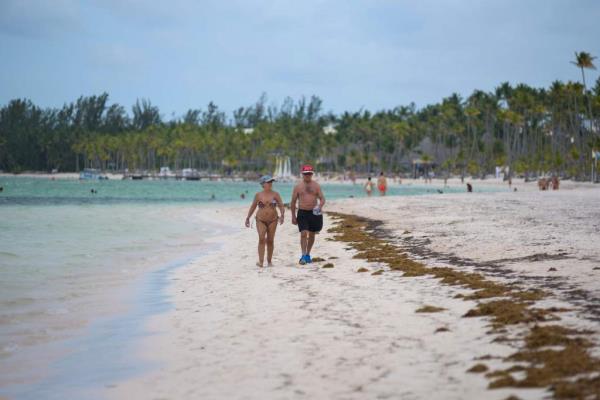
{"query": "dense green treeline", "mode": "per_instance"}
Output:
(533, 130)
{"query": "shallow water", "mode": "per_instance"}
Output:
(63, 267)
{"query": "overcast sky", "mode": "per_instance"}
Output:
(374, 54)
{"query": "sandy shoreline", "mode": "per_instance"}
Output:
(54, 323)
(289, 332)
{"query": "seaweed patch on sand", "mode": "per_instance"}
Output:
(478, 368)
(429, 309)
(549, 356)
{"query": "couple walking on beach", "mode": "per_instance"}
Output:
(307, 193)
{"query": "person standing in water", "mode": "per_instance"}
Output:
(309, 218)
(353, 177)
(267, 202)
(382, 184)
(369, 186)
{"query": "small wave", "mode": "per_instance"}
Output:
(8, 254)
(10, 348)
(52, 201)
(21, 301)
(57, 311)
(84, 255)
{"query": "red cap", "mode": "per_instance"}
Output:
(307, 169)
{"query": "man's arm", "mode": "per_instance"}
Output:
(293, 205)
(321, 198)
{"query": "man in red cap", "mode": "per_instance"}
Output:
(309, 218)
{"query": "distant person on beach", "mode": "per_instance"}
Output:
(555, 183)
(309, 218)
(382, 184)
(369, 186)
(469, 187)
(242, 196)
(267, 202)
(431, 175)
(427, 176)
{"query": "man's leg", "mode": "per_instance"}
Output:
(304, 241)
(310, 242)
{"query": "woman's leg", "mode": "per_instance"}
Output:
(271, 240)
(261, 227)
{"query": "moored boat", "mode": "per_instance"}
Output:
(92, 174)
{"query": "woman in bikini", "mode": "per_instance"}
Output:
(369, 186)
(267, 202)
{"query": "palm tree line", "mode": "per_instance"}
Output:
(532, 130)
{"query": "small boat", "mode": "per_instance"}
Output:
(92, 174)
(190, 174)
(165, 173)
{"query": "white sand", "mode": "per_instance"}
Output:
(237, 332)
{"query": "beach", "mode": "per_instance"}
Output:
(458, 171)
(237, 331)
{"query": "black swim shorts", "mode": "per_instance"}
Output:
(307, 221)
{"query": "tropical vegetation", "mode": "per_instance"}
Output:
(531, 130)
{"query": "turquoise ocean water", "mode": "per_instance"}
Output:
(45, 192)
(68, 256)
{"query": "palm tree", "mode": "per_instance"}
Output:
(584, 60)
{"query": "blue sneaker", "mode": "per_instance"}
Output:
(302, 260)
(308, 259)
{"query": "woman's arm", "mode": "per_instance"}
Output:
(281, 208)
(251, 211)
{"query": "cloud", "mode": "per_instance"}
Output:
(117, 56)
(37, 19)
(376, 54)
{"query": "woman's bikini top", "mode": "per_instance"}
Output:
(272, 204)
